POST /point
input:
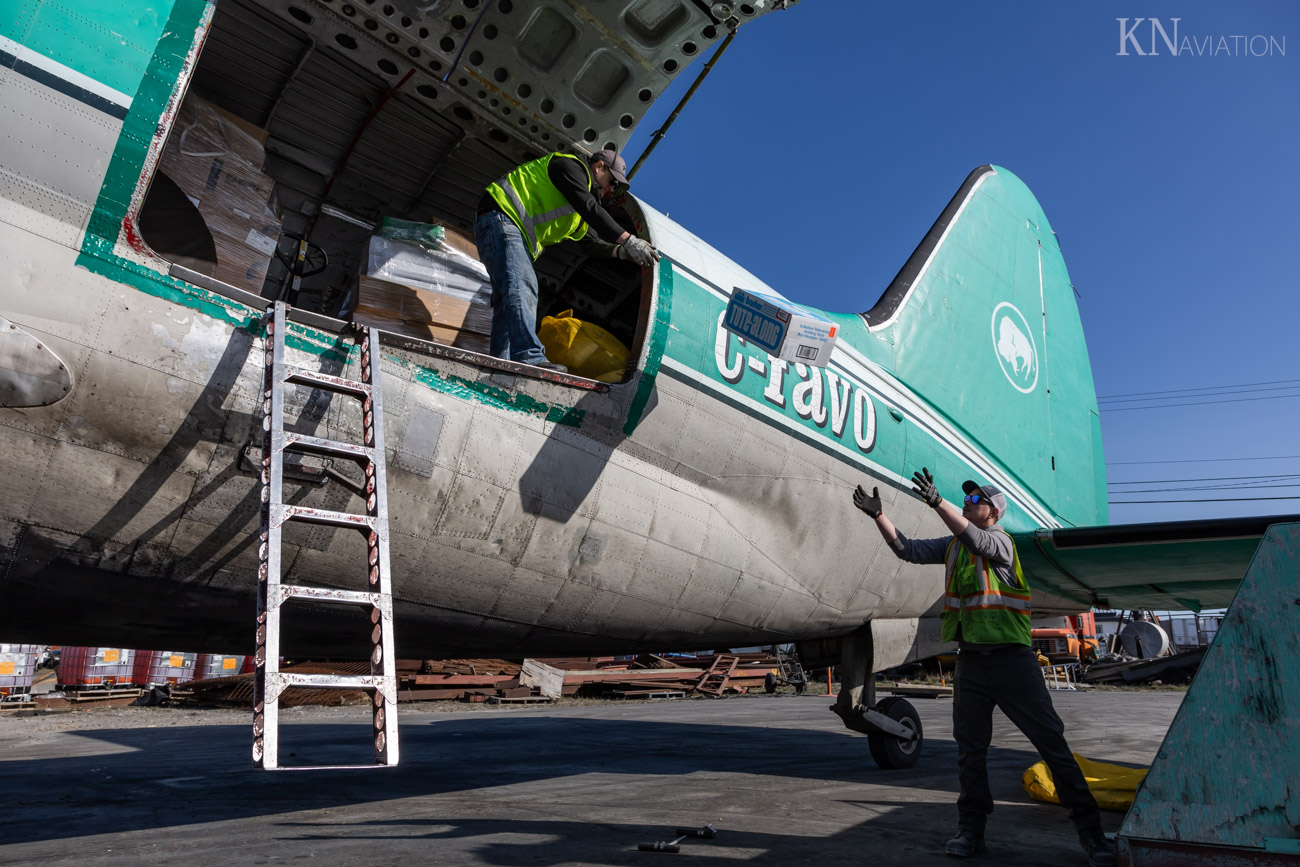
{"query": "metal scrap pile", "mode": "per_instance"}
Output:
(648, 676)
(237, 690)
(503, 681)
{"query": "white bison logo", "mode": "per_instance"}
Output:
(1013, 340)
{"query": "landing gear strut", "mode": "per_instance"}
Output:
(892, 727)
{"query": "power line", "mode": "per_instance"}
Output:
(1236, 487)
(1202, 388)
(1195, 403)
(1219, 500)
(1269, 476)
(1202, 460)
(1208, 393)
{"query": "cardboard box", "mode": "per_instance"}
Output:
(216, 160)
(423, 314)
(784, 330)
(443, 269)
(458, 239)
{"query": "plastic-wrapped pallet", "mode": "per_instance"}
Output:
(414, 282)
(216, 159)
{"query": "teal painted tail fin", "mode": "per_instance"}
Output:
(984, 326)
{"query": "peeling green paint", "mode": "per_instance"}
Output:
(187, 19)
(491, 395)
(658, 339)
(323, 344)
(98, 258)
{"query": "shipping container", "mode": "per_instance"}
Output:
(17, 668)
(162, 667)
(96, 666)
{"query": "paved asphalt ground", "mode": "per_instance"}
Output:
(776, 775)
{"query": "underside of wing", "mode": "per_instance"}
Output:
(1170, 565)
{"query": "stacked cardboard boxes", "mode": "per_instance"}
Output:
(216, 159)
(433, 288)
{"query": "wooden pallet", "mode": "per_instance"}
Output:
(525, 699)
(94, 695)
(648, 694)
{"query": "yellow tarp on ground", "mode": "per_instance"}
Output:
(583, 347)
(1112, 785)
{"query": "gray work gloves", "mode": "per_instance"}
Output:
(637, 250)
(871, 505)
(923, 486)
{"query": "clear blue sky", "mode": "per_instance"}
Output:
(831, 135)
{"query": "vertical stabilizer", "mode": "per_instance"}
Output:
(983, 325)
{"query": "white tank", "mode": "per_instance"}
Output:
(1144, 639)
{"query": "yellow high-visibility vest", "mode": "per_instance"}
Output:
(989, 611)
(541, 212)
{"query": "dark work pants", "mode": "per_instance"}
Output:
(1011, 679)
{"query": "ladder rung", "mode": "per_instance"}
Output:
(329, 594)
(281, 513)
(332, 681)
(320, 446)
(330, 767)
(324, 380)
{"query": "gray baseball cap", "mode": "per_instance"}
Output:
(995, 496)
(615, 163)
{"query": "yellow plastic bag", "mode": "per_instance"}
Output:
(1112, 785)
(586, 349)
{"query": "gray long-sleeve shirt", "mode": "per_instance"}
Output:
(995, 547)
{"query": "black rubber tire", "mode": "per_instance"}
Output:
(769, 683)
(889, 752)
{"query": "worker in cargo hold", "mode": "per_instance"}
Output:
(986, 610)
(541, 203)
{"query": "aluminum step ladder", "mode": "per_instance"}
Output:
(269, 681)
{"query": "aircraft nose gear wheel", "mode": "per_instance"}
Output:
(894, 753)
(303, 259)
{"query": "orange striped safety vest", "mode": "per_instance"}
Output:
(988, 611)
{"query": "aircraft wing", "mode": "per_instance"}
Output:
(1168, 565)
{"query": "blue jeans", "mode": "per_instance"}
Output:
(502, 249)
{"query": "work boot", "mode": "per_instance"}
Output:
(965, 844)
(551, 365)
(1101, 852)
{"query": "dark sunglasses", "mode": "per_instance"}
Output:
(975, 499)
